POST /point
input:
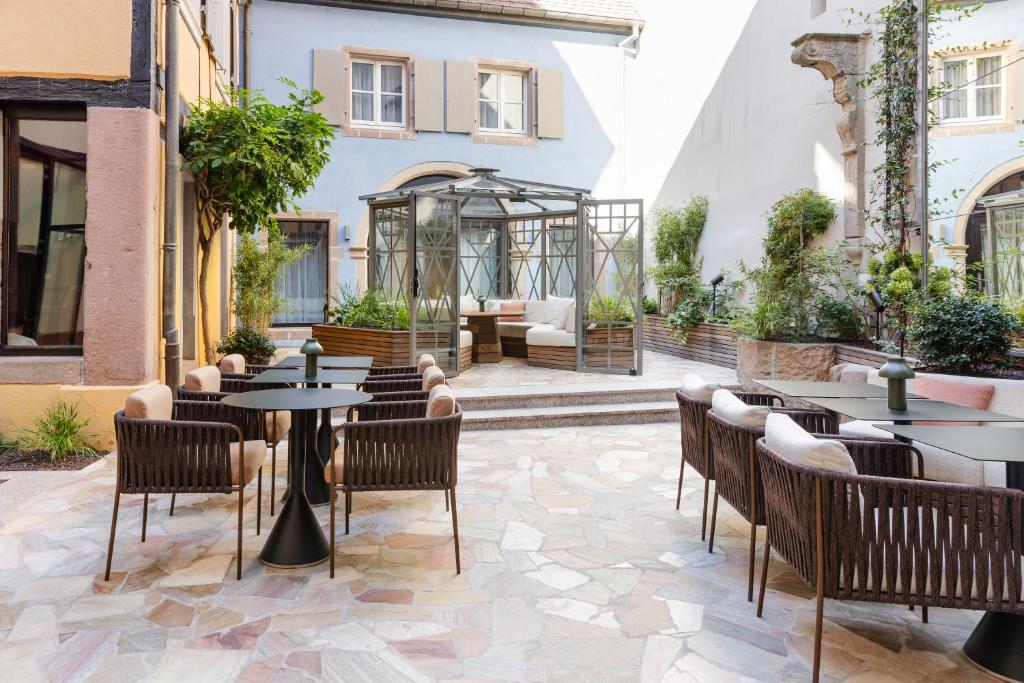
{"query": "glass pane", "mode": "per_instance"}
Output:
(954, 104)
(488, 86)
(391, 250)
(67, 207)
(362, 106)
(479, 243)
(362, 76)
(988, 70)
(303, 285)
(30, 204)
(988, 101)
(59, 322)
(391, 108)
(525, 251)
(488, 115)
(1009, 244)
(437, 298)
(513, 115)
(391, 78)
(512, 88)
(561, 257)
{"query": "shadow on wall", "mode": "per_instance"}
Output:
(766, 128)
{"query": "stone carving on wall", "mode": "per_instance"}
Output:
(842, 59)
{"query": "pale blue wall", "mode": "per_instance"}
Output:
(284, 35)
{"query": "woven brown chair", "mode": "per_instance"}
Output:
(166, 446)
(736, 474)
(892, 539)
(380, 386)
(395, 447)
(382, 371)
(693, 437)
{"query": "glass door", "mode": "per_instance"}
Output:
(609, 310)
(435, 282)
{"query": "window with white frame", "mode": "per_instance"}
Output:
(502, 101)
(378, 93)
(974, 88)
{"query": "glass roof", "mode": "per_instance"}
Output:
(1011, 197)
(485, 194)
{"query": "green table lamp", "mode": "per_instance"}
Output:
(897, 372)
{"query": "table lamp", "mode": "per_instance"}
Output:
(897, 372)
(312, 350)
(482, 300)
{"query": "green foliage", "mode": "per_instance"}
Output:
(7, 444)
(255, 346)
(897, 279)
(677, 233)
(604, 307)
(650, 306)
(956, 334)
(761, 321)
(256, 271)
(374, 310)
(59, 432)
(695, 307)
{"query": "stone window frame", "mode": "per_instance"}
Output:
(362, 130)
(1006, 123)
(335, 256)
(529, 70)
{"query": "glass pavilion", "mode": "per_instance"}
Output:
(501, 238)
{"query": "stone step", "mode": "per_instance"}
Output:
(568, 395)
(571, 416)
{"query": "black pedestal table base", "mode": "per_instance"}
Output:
(997, 645)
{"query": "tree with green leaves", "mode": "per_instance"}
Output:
(256, 272)
(250, 159)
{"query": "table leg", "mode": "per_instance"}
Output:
(317, 488)
(297, 539)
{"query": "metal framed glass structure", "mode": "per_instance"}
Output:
(501, 238)
(1003, 243)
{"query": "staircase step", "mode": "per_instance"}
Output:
(567, 395)
(571, 416)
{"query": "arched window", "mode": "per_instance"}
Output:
(979, 242)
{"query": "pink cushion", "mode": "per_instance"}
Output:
(966, 394)
(441, 401)
(150, 403)
(424, 362)
(233, 363)
(206, 378)
(434, 376)
(518, 308)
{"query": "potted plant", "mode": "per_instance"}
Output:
(373, 324)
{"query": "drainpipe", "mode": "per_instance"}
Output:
(172, 173)
(923, 181)
(247, 38)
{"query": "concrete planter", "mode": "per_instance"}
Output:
(783, 360)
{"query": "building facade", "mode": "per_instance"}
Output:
(82, 111)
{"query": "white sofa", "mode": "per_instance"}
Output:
(547, 323)
(939, 464)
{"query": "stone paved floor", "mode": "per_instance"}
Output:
(576, 567)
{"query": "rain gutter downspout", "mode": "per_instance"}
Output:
(247, 38)
(172, 173)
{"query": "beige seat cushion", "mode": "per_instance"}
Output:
(255, 453)
(277, 424)
(546, 335)
(425, 361)
(695, 388)
(570, 319)
(233, 363)
(514, 330)
(339, 467)
(206, 378)
(728, 406)
(150, 403)
(791, 441)
(465, 339)
(432, 377)
(441, 401)
(849, 373)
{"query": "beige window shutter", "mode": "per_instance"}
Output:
(550, 103)
(461, 95)
(428, 94)
(329, 79)
(1016, 76)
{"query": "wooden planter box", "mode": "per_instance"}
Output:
(388, 347)
(707, 343)
(783, 360)
(564, 357)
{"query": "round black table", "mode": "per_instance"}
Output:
(297, 539)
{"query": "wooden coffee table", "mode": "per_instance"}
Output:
(486, 342)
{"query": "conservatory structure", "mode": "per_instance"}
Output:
(563, 269)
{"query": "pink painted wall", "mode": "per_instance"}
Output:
(122, 258)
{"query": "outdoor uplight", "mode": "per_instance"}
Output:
(876, 299)
(715, 281)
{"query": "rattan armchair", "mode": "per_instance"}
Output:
(191, 447)
(395, 447)
(693, 437)
(737, 478)
(392, 384)
(382, 371)
(892, 538)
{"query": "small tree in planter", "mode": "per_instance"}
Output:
(253, 345)
(256, 271)
(250, 159)
(677, 266)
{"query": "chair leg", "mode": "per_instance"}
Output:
(174, 497)
(764, 573)
(455, 530)
(679, 491)
(273, 476)
(924, 614)
(750, 569)
(241, 504)
(818, 614)
(334, 502)
(714, 518)
(446, 505)
(348, 509)
(113, 530)
(704, 514)
(259, 498)
(145, 515)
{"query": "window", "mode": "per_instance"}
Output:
(502, 102)
(303, 285)
(378, 93)
(974, 88)
(44, 231)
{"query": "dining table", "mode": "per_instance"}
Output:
(299, 361)
(919, 410)
(317, 489)
(811, 389)
(997, 642)
(297, 540)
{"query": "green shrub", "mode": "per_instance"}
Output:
(60, 432)
(611, 307)
(957, 334)
(374, 310)
(696, 307)
(650, 306)
(677, 233)
(256, 271)
(255, 347)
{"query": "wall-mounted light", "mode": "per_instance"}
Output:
(346, 231)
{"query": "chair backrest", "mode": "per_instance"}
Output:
(150, 403)
(233, 363)
(692, 432)
(205, 378)
(930, 543)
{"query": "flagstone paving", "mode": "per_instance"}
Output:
(576, 567)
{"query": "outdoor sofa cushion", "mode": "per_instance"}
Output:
(425, 361)
(432, 377)
(515, 309)
(441, 401)
(150, 403)
(233, 363)
(570, 318)
(728, 406)
(465, 339)
(794, 443)
(255, 453)
(967, 394)
(205, 378)
(514, 330)
(546, 335)
(850, 373)
(551, 311)
(696, 388)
